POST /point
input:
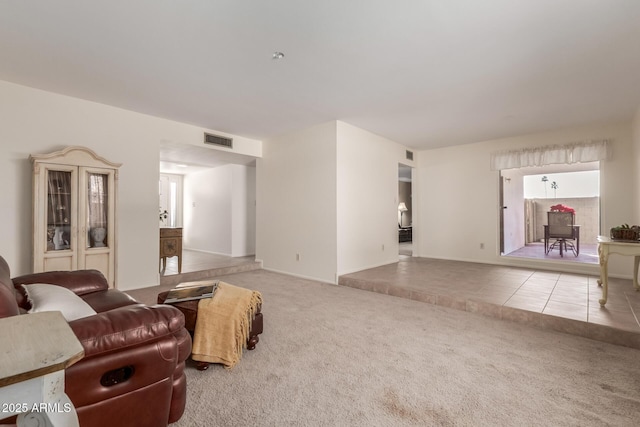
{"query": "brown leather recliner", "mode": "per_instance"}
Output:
(132, 373)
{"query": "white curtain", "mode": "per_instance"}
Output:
(97, 200)
(577, 152)
(59, 193)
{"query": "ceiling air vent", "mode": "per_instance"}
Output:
(218, 140)
(409, 155)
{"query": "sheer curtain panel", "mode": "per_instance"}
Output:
(578, 152)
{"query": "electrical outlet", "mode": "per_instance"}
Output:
(297, 257)
(481, 245)
(383, 247)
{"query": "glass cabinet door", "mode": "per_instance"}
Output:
(97, 210)
(59, 215)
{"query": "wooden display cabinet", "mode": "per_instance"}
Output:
(74, 211)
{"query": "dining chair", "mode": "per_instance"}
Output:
(561, 228)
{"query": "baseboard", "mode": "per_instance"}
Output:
(217, 253)
(299, 276)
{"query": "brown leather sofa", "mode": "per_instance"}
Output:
(132, 373)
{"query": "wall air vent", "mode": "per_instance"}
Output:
(218, 140)
(409, 155)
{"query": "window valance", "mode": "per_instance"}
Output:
(577, 152)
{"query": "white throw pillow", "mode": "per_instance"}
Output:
(47, 297)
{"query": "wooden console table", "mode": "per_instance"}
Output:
(39, 348)
(171, 245)
(606, 246)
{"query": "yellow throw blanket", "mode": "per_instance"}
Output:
(223, 324)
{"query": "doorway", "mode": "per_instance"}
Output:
(170, 194)
(405, 210)
(527, 194)
(213, 202)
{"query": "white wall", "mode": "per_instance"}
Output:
(458, 204)
(207, 210)
(219, 210)
(459, 197)
(636, 155)
(296, 203)
(219, 206)
(243, 202)
(34, 121)
(330, 194)
(367, 198)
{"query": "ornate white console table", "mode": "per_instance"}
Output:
(36, 349)
(606, 246)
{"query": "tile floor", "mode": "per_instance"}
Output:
(196, 261)
(201, 265)
(588, 253)
(547, 299)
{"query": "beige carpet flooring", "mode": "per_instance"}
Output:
(338, 356)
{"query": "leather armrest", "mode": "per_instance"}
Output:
(127, 326)
(80, 282)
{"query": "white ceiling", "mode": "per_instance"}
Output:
(184, 159)
(425, 73)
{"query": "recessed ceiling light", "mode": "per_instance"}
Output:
(277, 55)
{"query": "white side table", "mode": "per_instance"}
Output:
(606, 247)
(36, 349)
